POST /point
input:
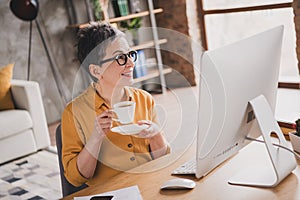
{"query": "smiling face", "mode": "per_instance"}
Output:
(111, 73)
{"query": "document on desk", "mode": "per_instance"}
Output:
(130, 193)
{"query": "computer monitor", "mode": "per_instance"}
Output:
(230, 78)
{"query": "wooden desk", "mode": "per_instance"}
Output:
(213, 186)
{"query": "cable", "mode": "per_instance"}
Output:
(29, 51)
(278, 145)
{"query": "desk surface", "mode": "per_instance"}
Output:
(213, 186)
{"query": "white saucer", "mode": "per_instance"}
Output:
(129, 129)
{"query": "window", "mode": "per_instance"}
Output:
(225, 21)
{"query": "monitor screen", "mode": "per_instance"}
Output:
(230, 77)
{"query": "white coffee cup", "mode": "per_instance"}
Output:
(124, 111)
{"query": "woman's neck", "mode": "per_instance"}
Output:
(111, 94)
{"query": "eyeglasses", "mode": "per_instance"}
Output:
(122, 58)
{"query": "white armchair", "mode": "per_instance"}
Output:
(23, 130)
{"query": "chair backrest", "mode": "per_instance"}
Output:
(67, 188)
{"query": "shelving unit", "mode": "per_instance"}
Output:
(152, 73)
(119, 19)
(149, 44)
(158, 70)
(131, 16)
(157, 46)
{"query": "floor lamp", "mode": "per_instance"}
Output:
(27, 10)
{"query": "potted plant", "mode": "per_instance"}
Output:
(132, 25)
(295, 136)
(97, 10)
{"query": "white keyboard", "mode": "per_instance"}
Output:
(187, 168)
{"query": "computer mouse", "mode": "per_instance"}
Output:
(178, 183)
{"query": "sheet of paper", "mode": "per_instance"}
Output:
(130, 193)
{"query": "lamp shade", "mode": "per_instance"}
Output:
(25, 9)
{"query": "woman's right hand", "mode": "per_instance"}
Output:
(103, 123)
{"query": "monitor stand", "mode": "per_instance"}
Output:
(283, 162)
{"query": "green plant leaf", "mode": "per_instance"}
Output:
(132, 23)
(97, 9)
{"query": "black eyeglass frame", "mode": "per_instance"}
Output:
(126, 56)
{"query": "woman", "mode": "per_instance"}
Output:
(91, 152)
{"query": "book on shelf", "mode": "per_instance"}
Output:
(134, 6)
(115, 7)
(140, 68)
(123, 7)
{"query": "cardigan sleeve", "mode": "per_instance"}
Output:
(72, 144)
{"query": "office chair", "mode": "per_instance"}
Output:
(67, 188)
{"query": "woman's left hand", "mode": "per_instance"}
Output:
(150, 131)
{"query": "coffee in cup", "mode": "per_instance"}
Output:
(124, 111)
